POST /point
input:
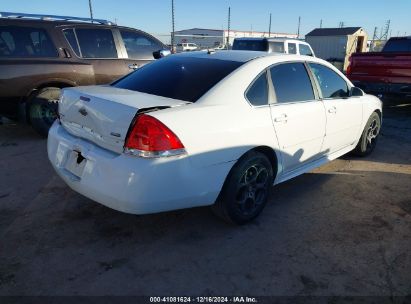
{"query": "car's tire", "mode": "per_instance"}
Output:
(246, 189)
(369, 136)
(43, 107)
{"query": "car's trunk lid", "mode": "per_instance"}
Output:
(103, 114)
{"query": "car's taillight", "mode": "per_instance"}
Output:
(149, 137)
(349, 67)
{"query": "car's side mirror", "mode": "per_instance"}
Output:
(161, 53)
(356, 92)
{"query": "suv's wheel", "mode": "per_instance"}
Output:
(246, 190)
(369, 136)
(43, 109)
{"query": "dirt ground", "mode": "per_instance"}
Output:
(344, 229)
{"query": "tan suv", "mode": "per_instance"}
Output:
(41, 54)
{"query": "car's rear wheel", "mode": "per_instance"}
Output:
(246, 190)
(43, 109)
(369, 136)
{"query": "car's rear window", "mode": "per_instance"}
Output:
(250, 45)
(25, 42)
(398, 45)
(183, 78)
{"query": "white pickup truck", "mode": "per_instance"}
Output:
(274, 45)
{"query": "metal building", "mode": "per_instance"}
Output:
(337, 44)
(210, 38)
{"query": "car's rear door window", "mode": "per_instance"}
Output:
(96, 43)
(138, 44)
(257, 94)
(291, 82)
(21, 42)
(178, 77)
(331, 84)
(72, 40)
(292, 48)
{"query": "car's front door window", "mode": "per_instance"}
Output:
(344, 114)
(96, 43)
(331, 84)
(138, 45)
(305, 50)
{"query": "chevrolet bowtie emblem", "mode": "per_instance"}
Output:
(83, 111)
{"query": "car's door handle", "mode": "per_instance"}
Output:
(332, 110)
(282, 118)
(134, 66)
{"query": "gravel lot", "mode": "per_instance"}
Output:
(344, 229)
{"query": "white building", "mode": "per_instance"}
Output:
(334, 44)
(208, 38)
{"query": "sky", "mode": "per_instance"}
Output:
(154, 16)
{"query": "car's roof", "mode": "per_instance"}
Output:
(59, 23)
(268, 39)
(239, 56)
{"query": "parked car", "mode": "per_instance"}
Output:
(274, 45)
(229, 126)
(384, 73)
(220, 47)
(40, 55)
(187, 47)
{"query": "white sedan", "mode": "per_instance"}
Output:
(206, 128)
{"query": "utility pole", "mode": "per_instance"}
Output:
(91, 10)
(384, 34)
(269, 28)
(172, 26)
(374, 37)
(321, 23)
(228, 28)
(299, 24)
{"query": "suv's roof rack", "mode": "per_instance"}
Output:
(53, 18)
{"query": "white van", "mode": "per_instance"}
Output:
(274, 45)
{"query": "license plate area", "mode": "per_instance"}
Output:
(75, 163)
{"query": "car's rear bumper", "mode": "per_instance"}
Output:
(403, 89)
(132, 184)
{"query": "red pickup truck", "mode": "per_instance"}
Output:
(384, 73)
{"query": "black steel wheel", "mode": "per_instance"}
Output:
(246, 190)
